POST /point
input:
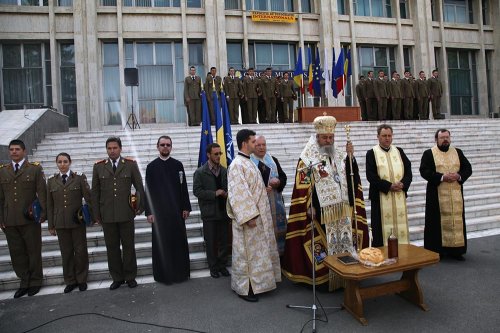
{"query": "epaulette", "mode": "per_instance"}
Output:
(130, 159)
(101, 161)
(35, 163)
(3, 165)
(54, 175)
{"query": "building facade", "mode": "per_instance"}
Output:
(72, 54)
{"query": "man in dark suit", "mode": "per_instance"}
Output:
(210, 187)
(21, 183)
(115, 208)
(192, 90)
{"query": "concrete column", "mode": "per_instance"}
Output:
(482, 84)
(354, 55)
(93, 64)
(220, 13)
(326, 35)
(246, 56)
(185, 49)
(443, 63)
(212, 51)
(399, 54)
(124, 90)
(424, 42)
(340, 100)
(495, 56)
(82, 81)
(54, 59)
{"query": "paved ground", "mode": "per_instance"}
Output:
(462, 297)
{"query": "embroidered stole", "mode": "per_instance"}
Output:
(393, 210)
(451, 203)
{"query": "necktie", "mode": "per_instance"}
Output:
(192, 77)
(17, 167)
(64, 178)
(114, 165)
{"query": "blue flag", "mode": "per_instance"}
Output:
(219, 128)
(206, 131)
(317, 75)
(228, 136)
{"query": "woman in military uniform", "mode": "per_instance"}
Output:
(65, 191)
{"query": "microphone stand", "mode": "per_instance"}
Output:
(313, 307)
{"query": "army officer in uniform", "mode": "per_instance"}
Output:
(21, 182)
(65, 191)
(114, 208)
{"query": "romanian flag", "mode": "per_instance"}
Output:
(338, 72)
(226, 124)
(206, 131)
(317, 75)
(310, 74)
(298, 74)
(333, 82)
(219, 128)
(347, 67)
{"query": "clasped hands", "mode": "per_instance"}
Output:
(397, 187)
(451, 177)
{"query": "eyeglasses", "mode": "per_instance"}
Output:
(217, 154)
(165, 144)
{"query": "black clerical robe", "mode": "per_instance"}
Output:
(378, 185)
(432, 231)
(167, 196)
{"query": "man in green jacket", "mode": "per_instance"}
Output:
(21, 183)
(115, 208)
(210, 187)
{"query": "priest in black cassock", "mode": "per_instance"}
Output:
(167, 208)
(446, 169)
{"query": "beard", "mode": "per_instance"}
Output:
(328, 150)
(444, 147)
(163, 154)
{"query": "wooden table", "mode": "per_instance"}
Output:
(411, 260)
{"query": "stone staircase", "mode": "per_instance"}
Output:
(478, 138)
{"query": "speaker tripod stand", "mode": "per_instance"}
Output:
(313, 306)
(132, 119)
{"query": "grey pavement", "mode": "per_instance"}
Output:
(461, 296)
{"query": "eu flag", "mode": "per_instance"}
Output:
(206, 131)
(317, 75)
(228, 137)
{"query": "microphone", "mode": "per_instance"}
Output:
(323, 163)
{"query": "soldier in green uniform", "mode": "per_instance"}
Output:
(435, 92)
(287, 95)
(422, 96)
(251, 91)
(408, 96)
(234, 91)
(268, 88)
(396, 96)
(382, 94)
(65, 191)
(114, 208)
(192, 91)
(212, 82)
(21, 183)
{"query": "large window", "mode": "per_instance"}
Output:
(111, 84)
(155, 94)
(457, 11)
(270, 5)
(306, 6)
(375, 58)
(68, 3)
(26, 76)
(280, 56)
(25, 2)
(342, 7)
(193, 3)
(68, 83)
(144, 3)
(377, 8)
(461, 78)
(407, 58)
(232, 4)
(235, 55)
(486, 12)
(404, 9)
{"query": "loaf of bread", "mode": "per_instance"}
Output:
(372, 254)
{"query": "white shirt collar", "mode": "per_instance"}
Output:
(21, 162)
(67, 174)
